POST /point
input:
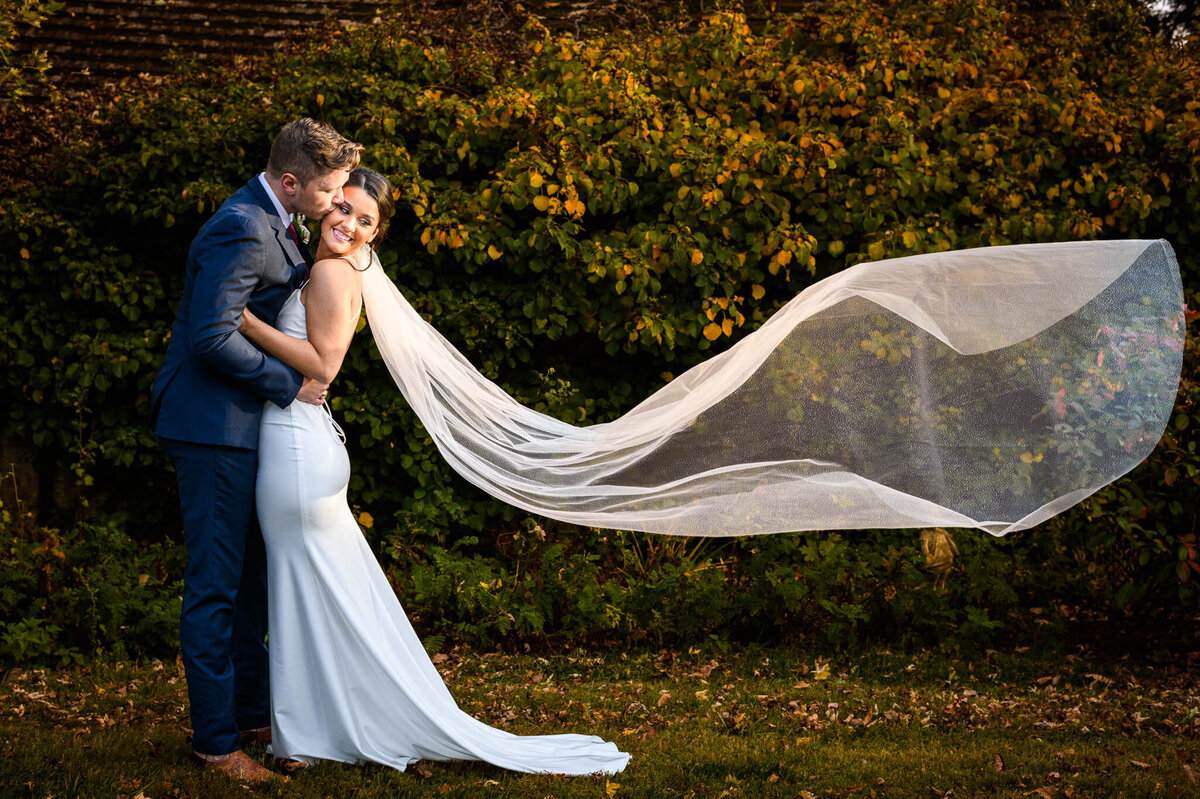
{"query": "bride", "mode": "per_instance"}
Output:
(990, 388)
(350, 680)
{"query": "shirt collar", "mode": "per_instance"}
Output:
(284, 215)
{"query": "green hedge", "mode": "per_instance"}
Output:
(593, 221)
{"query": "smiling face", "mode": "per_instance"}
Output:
(352, 223)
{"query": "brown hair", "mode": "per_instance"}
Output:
(309, 149)
(377, 186)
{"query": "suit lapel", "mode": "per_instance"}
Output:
(296, 258)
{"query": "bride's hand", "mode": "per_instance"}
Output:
(249, 321)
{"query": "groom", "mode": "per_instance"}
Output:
(206, 405)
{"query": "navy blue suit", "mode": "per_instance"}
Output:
(207, 402)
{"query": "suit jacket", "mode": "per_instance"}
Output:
(213, 381)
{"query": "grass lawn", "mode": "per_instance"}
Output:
(750, 722)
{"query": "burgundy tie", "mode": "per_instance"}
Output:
(295, 237)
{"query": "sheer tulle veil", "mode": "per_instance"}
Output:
(988, 388)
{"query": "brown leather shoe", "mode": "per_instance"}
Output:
(289, 767)
(237, 766)
(258, 735)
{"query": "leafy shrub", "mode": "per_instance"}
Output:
(83, 592)
(586, 225)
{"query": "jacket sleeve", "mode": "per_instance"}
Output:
(229, 259)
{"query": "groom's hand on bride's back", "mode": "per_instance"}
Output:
(312, 392)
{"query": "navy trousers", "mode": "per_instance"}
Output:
(223, 624)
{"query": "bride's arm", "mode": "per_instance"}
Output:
(331, 303)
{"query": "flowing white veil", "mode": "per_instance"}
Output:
(988, 388)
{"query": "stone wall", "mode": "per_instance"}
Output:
(104, 40)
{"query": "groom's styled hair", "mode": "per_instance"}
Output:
(309, 149)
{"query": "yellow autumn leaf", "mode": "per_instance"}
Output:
(712, 331)
(426, 234)
(493, 253)
(1026, 457)
(25, 253)
(366, 520)
(727, 327)
(676, 169)
(697, 257)
(611, 788)
(541, 202)
(910, 239)
(798, 86)
(320, 99)
(536, 180)
(757, 291)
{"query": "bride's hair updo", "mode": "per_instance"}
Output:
(377, 186)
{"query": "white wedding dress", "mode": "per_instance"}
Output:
(350, 680)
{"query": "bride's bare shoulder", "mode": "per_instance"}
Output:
(338, 270)
(339, 264)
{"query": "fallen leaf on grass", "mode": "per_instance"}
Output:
(1139, 764)
(663, 698)
(774, 778)
(998, 762)
(611, 788)
(1192, 775)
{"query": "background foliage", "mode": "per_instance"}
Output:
(584, 219)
